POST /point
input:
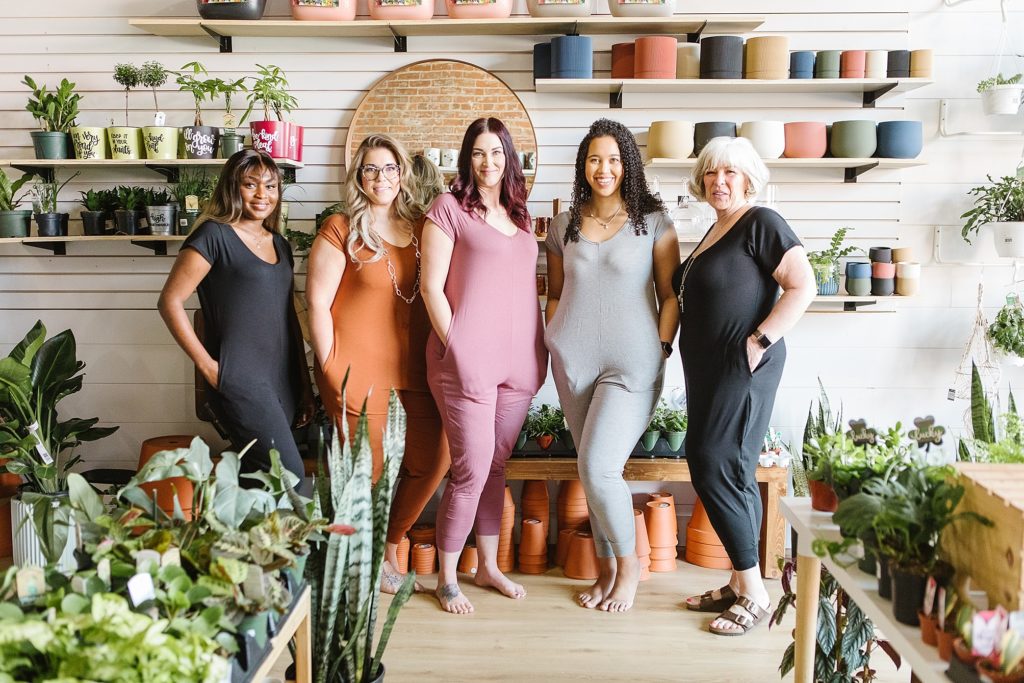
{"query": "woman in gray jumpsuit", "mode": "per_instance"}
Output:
(611, 316)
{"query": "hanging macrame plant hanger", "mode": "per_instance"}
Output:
(978, 350)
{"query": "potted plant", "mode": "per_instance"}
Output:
(94, 217)
(1006, 664)
(672, 425)
(159, 140)
(1007, 330)
(1001, 95)
(130, 202)
(269, 91)
(49, 222)
(126, 141)
(161, 212)
(544, 423)
(193, 188)
(200, 141)
(56, 113)
(36, 375)
(1001, 205)
(231, 140)
(826, 263)
(14, 222)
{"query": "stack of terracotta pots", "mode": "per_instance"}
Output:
(572, 505)
(533, 547)
(403, 555)
(423, 533)
(643, 546)
(535, 503)
(703, 547)
(562, 547)
(506, 549)
(581, 560)
(423, 557)
(662, 531)
(468, 559)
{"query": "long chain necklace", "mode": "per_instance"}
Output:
(693, 257)
(394, 278)
(604, 224)
(258, 238)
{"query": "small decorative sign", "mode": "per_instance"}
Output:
(172, 557)
(927, 432)
(861, 434)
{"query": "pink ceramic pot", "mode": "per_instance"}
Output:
(805, 140)
(295, 135)
(851, 63)
(655, 57)
(344, 11)
(460, 9)
(421, 11)
(883, 271)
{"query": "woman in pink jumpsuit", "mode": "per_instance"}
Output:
(479, 286)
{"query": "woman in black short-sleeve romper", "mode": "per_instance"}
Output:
(732, 321)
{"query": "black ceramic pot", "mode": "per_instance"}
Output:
(721, 57)
(907, 596)
(705, 131)
(880, 254)
(126, 222)
(884, 579)
(247, 9)
(94, 222)
(52, 224)
(542, 60)
(899, 64)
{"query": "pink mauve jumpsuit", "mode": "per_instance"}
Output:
(494, 363)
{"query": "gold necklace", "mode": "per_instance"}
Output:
(604, 224)
(257, 238)
(394, 278)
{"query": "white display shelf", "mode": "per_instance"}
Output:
(852, 168)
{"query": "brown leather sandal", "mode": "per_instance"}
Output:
(745, 622)
(708, 603)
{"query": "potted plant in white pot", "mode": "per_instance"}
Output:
(1007, 330)
(159, 140)
(1001, 95)
(56, 113)
(826, 263)
(269, 91)
(200, 141)
(1001, 205)
(14, 222)
(39, 447)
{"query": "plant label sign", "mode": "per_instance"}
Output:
(147, 561)
(141, 589)
(30, 582)
(171, 558)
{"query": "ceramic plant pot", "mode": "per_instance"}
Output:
(688, 60)
(533, 547)
(805, 140)
(468, 559)
(572, 505)
(675, 440)
(823, 496)
(721, 57)
(767, 137)
(706, 131)
(1009, 239)
(826, 64)
(230, 143)
(661, 524)
(545, 441)
(125, 142)
(858, 269)
(670, 140)
(90, 142)
(416, 10)
(50, 145)
(535, 503)
(858, 286)
(852, 63)
(921, 63)
(563, 8)
(160, 142)
(898, 64)
(423, 533)
(642, 8)
(165, 491)
(17, 223)
(270, 137)
(853, 139)
(801, 64)
(250, 10)
(883, 286)
(900, 139)
(655, 57)
(52, 224)
(643, 544)
(581, 561)
(572, 57)
(296, 133)
(883, 270)
(876, 64)
(908, 270)
(880, 254)
(562, 548)
(521, 440)
(126, 222)
(323, 10)
(767, 57)
(703, 546)
(542, 60)
(27, 548)
(944, 643)
(472, 9)
(902, 255)
(826, 277)
(666, 497)
(649, 440)
(907, 595)
(623, 60)
(1002, 99)
(201, 141)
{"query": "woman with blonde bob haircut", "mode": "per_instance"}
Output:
(367, 319)
(732, 321)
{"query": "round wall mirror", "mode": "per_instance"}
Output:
(428, 106)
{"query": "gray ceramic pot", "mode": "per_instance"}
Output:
(247, 9)
(858, 286)
(826, 64)
(853, 139)
(883, 286)
(705, 131)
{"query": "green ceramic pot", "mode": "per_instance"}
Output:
(16, 223)
(50, 145)
(231, 143)
(125, 142)
(649, 440)
(854, 139)
(255, 626)
(90, 142)
(160, 142)
(521, 441)
(675, 440)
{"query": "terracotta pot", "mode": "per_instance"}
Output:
(6, 529)
(929, 627)
(703, 547)
(660, 518)
(662, 566)
(403, 555)
(545, 441)
(166, 489)
(572, 505)
(805, 140)
(643, 545)
(963, 652)
(666, 497)
(499, 9)
(535, 502)
(767, 57)
(655, 57)
(418, 10)
(423, 557)
(623, 56)
(823, 496)
(8, 482)
(852, 63)
(581, 562)
(468, 559)
(944, 641)
(562, 548)
(506, 557)
(921, 63)
(688, 60)
(988, 673)
(423, 533)
(532, 540)
(708, 561)
(338, 10)
(664, 553)
(704, 550)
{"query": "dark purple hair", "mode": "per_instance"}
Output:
(513, 184)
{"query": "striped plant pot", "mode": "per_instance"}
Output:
(27, 550)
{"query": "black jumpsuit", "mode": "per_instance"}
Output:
(728, 292)
(248, 316)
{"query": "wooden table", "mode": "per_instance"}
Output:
(296, 624)
(773, 482)
(862, 589)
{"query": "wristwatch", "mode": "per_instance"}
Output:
(762, 339)
(667, 348)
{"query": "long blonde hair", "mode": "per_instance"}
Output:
(225, 204)
(428, 181)
(361, 233)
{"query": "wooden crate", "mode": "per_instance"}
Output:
(991, 557)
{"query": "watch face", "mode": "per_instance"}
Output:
(764, 341)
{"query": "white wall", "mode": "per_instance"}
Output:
(883, 366)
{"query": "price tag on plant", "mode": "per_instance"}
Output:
(31, 583)
(141, 589)
(929, 596)
(147, 561)
(171, 558)
(253, 584)
(987, 631)
(191, 203)
(103, 571)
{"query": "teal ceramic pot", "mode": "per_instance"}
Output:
(858, 286)
(50, 145)
(853, 139)
(899, 139)
(572, 57)
(649, 440)
(826, 64)
(521, 441)
(17, 223)
(675, 440)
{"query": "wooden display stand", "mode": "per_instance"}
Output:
(298, 625)
(772, 481)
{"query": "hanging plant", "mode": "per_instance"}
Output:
(1007, 330)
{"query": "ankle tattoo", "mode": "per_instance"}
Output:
(449, 591)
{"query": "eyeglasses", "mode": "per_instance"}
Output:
(370, 172)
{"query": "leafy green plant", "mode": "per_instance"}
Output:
(270, 91)
(228, 89)
(834, 252)
(158, 197)
(9, 199)
(35, 377)
(56, 112)
(998, 79)
(667, 420)
(201, 88)
(820, 423)
(130, 198)
(196, 182)
(845, 465)
(152, 75)
(128, 76)
(1000, 202)
(1007, 330)
(91, 200)
(544, 420)
(45, 192)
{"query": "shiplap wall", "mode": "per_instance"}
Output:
(884, 367)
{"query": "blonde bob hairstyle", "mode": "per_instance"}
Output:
(404, 208)
(735, 153)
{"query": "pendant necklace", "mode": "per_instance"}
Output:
(604, 224)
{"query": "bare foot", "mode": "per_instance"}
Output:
(492, 578)
(452, 600)
(593, 596)
(391, 580)
(623, 592)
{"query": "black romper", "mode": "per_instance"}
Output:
(248, 316)
(728, 292)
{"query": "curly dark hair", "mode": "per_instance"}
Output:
(635, 194)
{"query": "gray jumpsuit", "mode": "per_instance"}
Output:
(607, 363)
